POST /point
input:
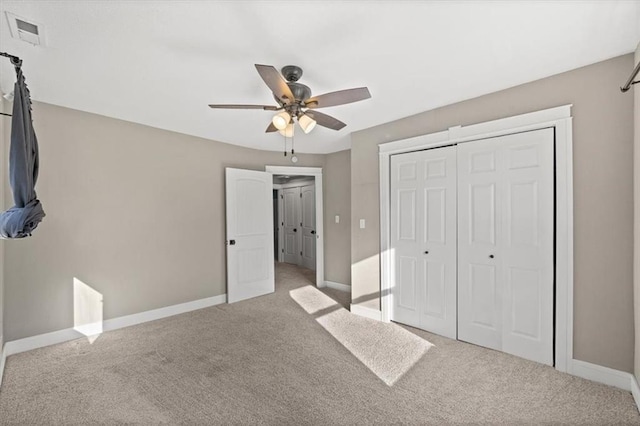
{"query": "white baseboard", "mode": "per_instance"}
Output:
(635, 391)
(363, 311)
(608, 376)
(337, 286)
(3, 359)
(600, 374)
(60, 336)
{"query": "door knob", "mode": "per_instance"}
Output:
(232, 242)
(426, 252)
(295, 230)
(490, 256)
(313, 232)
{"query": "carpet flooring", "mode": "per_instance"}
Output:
(293, 357)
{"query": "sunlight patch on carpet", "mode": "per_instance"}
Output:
(387, 349)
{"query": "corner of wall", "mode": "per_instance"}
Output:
(4, 106)
(4, 138)
(636, 220)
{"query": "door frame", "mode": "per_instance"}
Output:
(558, 118)
(316, 172)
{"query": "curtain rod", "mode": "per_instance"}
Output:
(627, 86)
(17, 62)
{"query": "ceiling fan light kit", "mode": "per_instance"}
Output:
(307, 123)
(287, 132)
(281, 120)
(295, 101)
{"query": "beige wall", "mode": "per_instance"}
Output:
(134, 212)
(636, 197)
(337, 199)
(603, 196)
(4, 175)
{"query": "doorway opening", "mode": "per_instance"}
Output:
(294, 220)
(298, 219)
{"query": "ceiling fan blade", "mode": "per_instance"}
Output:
(276, 83)
(229, 106)
(326, 120)
(340, 97)
(271, 128)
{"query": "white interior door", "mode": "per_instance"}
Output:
(250, 265)
(505, 244)
(308, 226)
(423, 239)
(291, 219)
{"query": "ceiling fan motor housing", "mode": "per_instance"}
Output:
(301, 92)
(291, 72)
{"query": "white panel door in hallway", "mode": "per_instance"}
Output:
(249, 209)
(308, 226)
(505, 244)
(423, 237)
(291, 220)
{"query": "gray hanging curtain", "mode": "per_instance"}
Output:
(19, 221)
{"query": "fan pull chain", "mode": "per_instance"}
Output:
(285, 145)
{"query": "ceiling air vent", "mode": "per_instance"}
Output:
(26, 30)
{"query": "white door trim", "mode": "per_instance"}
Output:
(316, 172)
(560, 119)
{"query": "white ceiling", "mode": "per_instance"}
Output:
(160, 63)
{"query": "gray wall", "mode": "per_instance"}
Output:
(135, 212)
(337, 198)
(4, 146)
(603, 196)
(636, 180)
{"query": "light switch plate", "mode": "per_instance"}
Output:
(361, 223)
(337, 218)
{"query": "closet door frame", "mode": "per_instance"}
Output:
(558, 118)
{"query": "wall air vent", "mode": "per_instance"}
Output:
(25, 30)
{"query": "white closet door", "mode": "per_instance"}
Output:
(291, 219)
(308, 226)
(423, 237)
(505, 244)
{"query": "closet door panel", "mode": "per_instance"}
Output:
(291, 219)
(404, 239)
(423, 237)
(479, 254)
(505, 244)
(438, 312)
(528, 246)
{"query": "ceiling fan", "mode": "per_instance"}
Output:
(295, 101)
